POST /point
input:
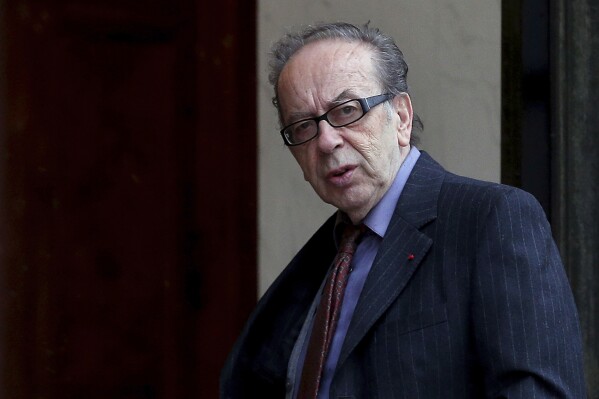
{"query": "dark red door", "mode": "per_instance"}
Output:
(127, 193)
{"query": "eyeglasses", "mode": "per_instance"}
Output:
(340, 115)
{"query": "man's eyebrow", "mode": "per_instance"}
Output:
(345, 95)
(297, 116)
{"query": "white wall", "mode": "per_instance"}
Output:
(453, 49)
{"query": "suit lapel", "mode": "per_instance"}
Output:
(401, 251)
(265, 345)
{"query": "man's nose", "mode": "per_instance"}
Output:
(329, 137)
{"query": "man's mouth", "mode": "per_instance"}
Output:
(341, 176)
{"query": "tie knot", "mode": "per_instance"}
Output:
(351, 237)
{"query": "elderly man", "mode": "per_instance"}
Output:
(424, 284)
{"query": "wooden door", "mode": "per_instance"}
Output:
(128, 194)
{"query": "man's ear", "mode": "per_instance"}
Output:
(402, 106)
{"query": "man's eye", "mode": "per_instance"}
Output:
(348, 110)
(303, 125)
(344, 114)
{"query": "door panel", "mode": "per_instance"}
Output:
(129, 184)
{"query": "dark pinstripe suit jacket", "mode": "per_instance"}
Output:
(483, 309)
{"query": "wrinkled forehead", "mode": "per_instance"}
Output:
(321, 70)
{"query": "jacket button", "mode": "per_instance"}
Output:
(288, 385)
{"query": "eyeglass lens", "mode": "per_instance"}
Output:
(341, 115)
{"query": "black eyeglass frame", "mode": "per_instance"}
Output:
(366, 103)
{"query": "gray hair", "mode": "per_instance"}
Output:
(388, 60)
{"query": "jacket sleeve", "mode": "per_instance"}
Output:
(524, 317)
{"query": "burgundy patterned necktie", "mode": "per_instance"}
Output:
(327, 314)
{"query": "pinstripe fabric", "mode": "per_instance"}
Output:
(467, 298)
